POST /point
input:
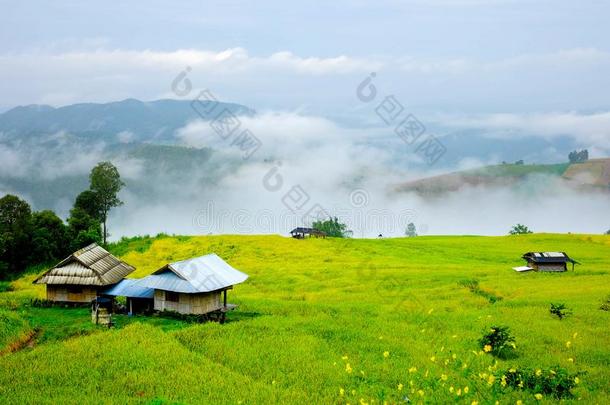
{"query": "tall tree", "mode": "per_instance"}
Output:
(411, 230)
(83, 229)
(89, 202)
(15, 228)
(106, 184)
(332, 227)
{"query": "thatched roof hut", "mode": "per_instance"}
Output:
(78, 277)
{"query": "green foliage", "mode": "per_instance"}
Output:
(49, 237)
(332, 227)
(106, 184)
(411, 230)
(605, 304)
(579, 156)
(520, 229)
(89, 202)
(556, 382)
(12, 328)
(83, 229)
(15, 234)
(560, 310)
(499, 342)
(5, 286)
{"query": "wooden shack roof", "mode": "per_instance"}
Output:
(200, 274)
(92, 265)
(548, 257)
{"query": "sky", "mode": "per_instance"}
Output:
(500, 67)
(436, 56)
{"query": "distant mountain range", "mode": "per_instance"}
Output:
(137, 120)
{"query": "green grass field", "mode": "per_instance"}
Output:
(328, 321)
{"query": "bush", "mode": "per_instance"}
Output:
(560, 310)
(605, 304)
(520, 229)
(555, 382)
(498, 342)
(5, 286)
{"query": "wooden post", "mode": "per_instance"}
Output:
(225, 299)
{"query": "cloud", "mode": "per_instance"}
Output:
(591, 130)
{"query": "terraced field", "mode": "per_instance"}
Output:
(330, 321)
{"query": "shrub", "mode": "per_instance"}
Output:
(520, 229)
(499, 342)
(555, 382)
(605, 304)
(5, 286)
(560, 310)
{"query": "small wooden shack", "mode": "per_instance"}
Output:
(548, 261)
(79, 277)
(302, 233)
(195, 286)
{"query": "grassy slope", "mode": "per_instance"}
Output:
(308, 303)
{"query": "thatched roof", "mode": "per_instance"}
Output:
(92, 265)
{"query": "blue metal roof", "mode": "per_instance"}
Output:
(200, 274)
(130, 288)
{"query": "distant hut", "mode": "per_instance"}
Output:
(81, 276)
(548, 261)
(195, 286)
(302, 233)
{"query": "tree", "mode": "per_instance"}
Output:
(520, 229)
(15, 227)
(411, 230)
(608, 233)
(89, 202)
(579, 156)
(106, 184)
(332, 227)
(83, 229)
(49, 237)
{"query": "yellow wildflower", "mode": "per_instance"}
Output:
(454, 336)
(362, 372)
(386, 354)
(341, 391)
(421, 393)
(273, 382)
(512, 370)
(520, 384)
(348, 368)
(454, 356)
(568, 344)
(400, 386)
(444, 377)
(538, 396)
(433, 359)
(575, 334)
(503, 382)
(487, 348)
(474, 403)
(577, 380)
(459, 392)
(465, 365)
(571, 360)
(412, 369)
(538, 372)
(465, 390)
(344, 357)
(431, 310)
(353, 392)
(451, 389)
(491, 380)
(519, 402)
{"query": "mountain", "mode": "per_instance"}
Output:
(593, 175)
(139, 120)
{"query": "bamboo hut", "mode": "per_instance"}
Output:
(195, 286)
(82, 275)
(547, 261)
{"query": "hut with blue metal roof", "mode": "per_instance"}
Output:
(195, 286)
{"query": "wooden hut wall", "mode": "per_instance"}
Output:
(202, 303)
(551, 267)
(67, 293)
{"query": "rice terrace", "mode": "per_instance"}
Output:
(329, 321)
